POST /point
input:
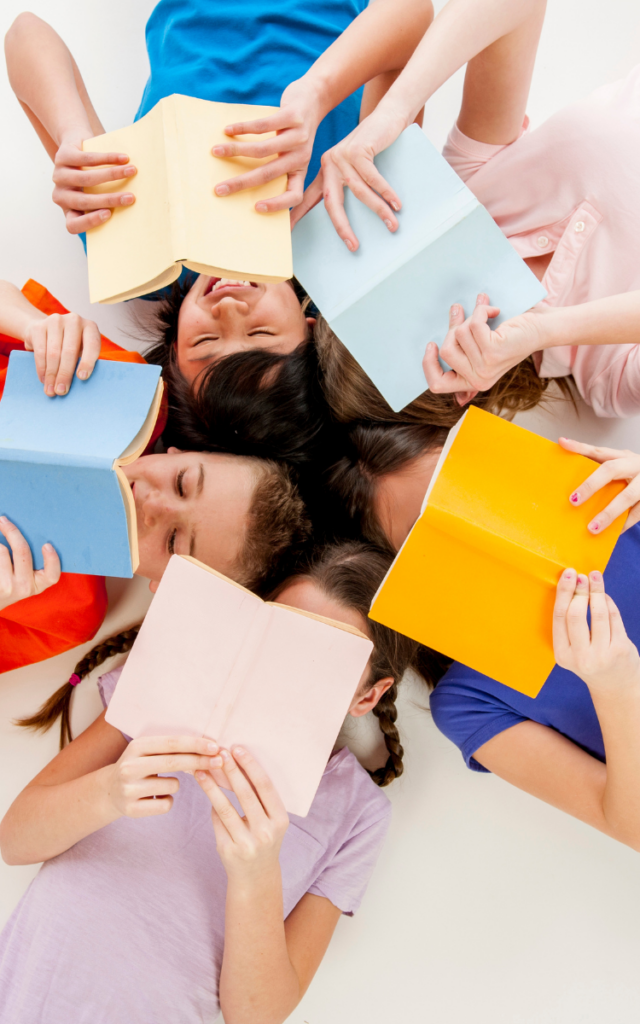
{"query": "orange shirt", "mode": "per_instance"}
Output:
(71, 612)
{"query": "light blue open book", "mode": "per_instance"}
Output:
(60, 459)
(390, 298)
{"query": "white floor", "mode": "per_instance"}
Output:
(486, 905)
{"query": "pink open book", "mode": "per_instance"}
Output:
(212, 659)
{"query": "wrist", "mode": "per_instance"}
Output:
(74, 134)
(106, 806)
(313, 91)
(247, 883)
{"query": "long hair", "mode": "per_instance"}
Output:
(351, 573)
(372, 450)
(352, 395)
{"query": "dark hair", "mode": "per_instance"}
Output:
(372, 450)
(352, 395)
(351, 574)
(59, 703)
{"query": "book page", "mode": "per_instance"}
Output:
(226, 236)
(132, 253)
(134, 450)
(292, 705)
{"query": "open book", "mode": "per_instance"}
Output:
(390, 298)
(212, 659)
(476, 577)
(60, 459)
(177, 219)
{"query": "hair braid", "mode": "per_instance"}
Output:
(387, 713)
(59, 703)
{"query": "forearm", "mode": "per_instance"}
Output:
(45, 79)
(378, 41)
(46, 820)
(611, 321)
(257, 981)
(619, 717)
(462, 29)
(16, 312)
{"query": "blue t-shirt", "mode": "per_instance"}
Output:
(471, 708)
(247, 51)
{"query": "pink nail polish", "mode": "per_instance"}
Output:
(574, 497)
(568, 575)
(594, 527)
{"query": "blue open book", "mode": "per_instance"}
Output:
(60, 459)
(386, 301)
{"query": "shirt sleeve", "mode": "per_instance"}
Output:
(467, 156)
(344, 881)
(468, 715)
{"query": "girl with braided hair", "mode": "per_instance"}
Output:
(233, 918)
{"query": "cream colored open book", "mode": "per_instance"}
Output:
(177, 220)
(213, 659)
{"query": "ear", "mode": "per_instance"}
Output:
(367, 702)
(174, 451)
(462, 397)
(311, 320)
(153, 585)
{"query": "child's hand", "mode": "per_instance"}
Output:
(17, 578)
(134, 787)
(350, 163)
(57, 342)
(604, 657)
(478, 356)
(296, 124)
(248, 845)
(616, 465)
(75, 170)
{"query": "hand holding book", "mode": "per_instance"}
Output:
(614, 465)
(18, 580)
(75, 171)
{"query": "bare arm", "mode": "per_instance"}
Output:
(49, 86)
(92, 782)
(549, 766)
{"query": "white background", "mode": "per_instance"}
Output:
(486, 905)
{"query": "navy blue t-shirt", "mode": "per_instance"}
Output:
(247, 51)
(471, 708)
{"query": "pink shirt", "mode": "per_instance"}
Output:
(572, 187)
(127, 927)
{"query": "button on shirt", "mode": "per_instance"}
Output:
(571, 187)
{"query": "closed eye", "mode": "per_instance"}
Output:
(171, 542)
(179, 480)
(260, 330)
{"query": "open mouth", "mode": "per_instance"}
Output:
(217, 283)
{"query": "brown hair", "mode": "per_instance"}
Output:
(352, 395)
(373, 450)
(351, 574)
(277, 526)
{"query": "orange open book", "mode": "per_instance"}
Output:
(476, 577)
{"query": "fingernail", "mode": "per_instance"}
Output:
(349, 244)
(575, 497)
(222, 190)
(200, 775)
(61, 389)
(239, 750)
(218, 150)
(596, 576)
(105, 214)
(481, 297)
(594, 526)
(216, 762)
(395, 206)
(129, 170)
(127, 199)
(389, 225)
(82, 374)
(3, 519)
(568, 574)
(262, 208)
(455, 310)
(224, 754)
(581, 579)
(49, 390)
(213, 747)
(47, 547)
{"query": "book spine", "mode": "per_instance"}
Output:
(460, 207)
(480, 538)
(244, 666)
(174, 157)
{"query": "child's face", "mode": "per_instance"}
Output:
(305, 594)
(399, 495)
(190, 503)
(219, 317)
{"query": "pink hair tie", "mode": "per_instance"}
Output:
(75, 679)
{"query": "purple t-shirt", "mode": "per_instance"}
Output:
(128, 925)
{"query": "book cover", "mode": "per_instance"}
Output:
(277, 680)
(60, 458)
(476, 578)
(390, 298)
(177, 219)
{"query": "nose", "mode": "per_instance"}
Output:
(155, 508)
(230, 310)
